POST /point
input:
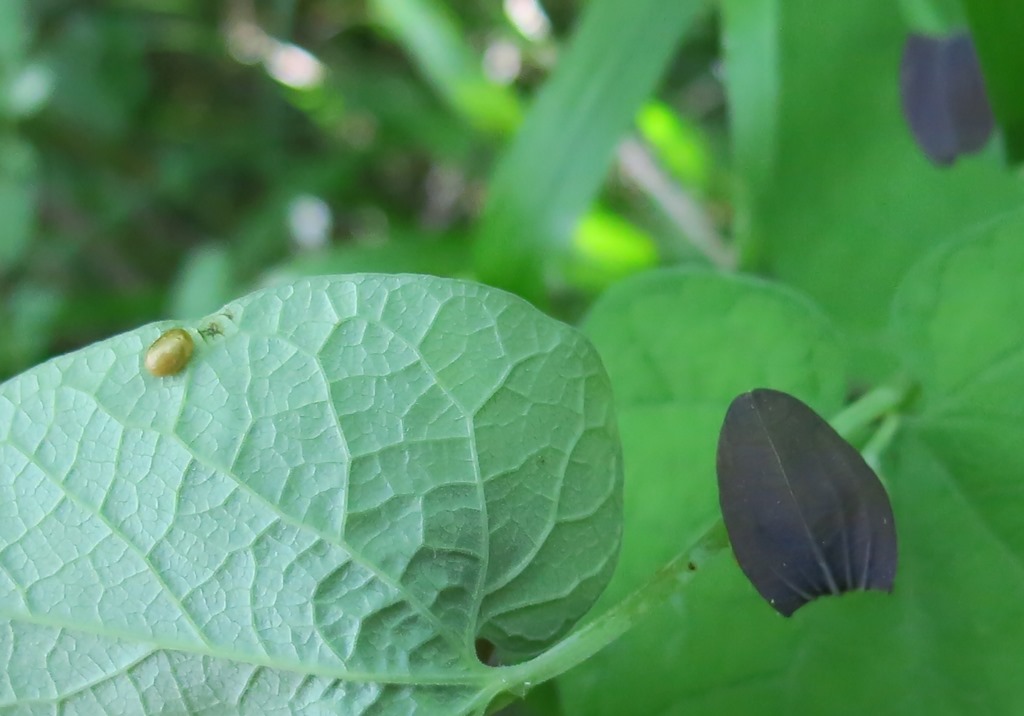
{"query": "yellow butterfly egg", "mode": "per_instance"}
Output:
(169, 353)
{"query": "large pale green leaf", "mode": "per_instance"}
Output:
(840, 201)
(679, 347)
(549, 175)
(352, 480)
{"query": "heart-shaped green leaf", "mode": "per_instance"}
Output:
(352, 480)
(679, 346)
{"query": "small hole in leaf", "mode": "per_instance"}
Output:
(691, 566)
(485, 652)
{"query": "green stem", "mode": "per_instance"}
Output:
(609, 626)
(880, 441)
(871, 406)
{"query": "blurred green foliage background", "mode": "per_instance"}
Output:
(160, 157)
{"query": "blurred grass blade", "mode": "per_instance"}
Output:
(997, 27)
(18, 184)
(431, 35)
(17, 158)
(550, 173)
(750, 37)
(13, 39)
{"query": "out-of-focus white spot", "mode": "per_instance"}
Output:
(30, 90)
(291, 65)
(247, 43)
(287, 63)
(529, 18)
(310, 221)
(719, 71)
(444, 188)
(502, 61)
